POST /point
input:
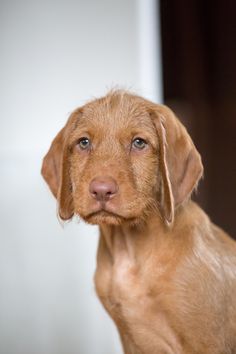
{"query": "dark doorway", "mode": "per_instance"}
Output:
(199, 74)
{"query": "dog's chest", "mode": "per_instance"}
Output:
(121, 287)
(125, 281)
(127, 296)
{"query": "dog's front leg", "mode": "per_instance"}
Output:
(128, 346)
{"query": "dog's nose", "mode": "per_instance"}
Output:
(103, 188)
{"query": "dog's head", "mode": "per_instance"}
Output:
(120, 158)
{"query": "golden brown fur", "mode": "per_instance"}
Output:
(165, 273)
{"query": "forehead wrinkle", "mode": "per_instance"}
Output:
(117, 104)
(116, 112)
(141, 124)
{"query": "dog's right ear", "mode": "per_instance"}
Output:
(55, 169)
(51, 168)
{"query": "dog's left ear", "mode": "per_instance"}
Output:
(180, 163)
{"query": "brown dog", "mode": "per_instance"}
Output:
(165, 273)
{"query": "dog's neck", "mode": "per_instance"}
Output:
(132, 241)
(137, 243)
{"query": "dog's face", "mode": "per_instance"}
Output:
(113, 162)
(109, 163)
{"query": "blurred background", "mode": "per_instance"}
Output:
(56, 55)
(198, 41)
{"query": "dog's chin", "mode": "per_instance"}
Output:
(104, 217)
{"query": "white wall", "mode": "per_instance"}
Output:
(55, 55)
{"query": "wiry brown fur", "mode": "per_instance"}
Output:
(165, 273)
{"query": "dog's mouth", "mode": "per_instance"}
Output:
(104, 216)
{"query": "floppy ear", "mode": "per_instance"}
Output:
(56, 170)
(180, 162)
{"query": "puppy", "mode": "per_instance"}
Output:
(165, 273)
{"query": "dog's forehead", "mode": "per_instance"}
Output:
(115, 113)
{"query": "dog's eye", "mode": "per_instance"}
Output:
(139, 143)
(84, 143)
